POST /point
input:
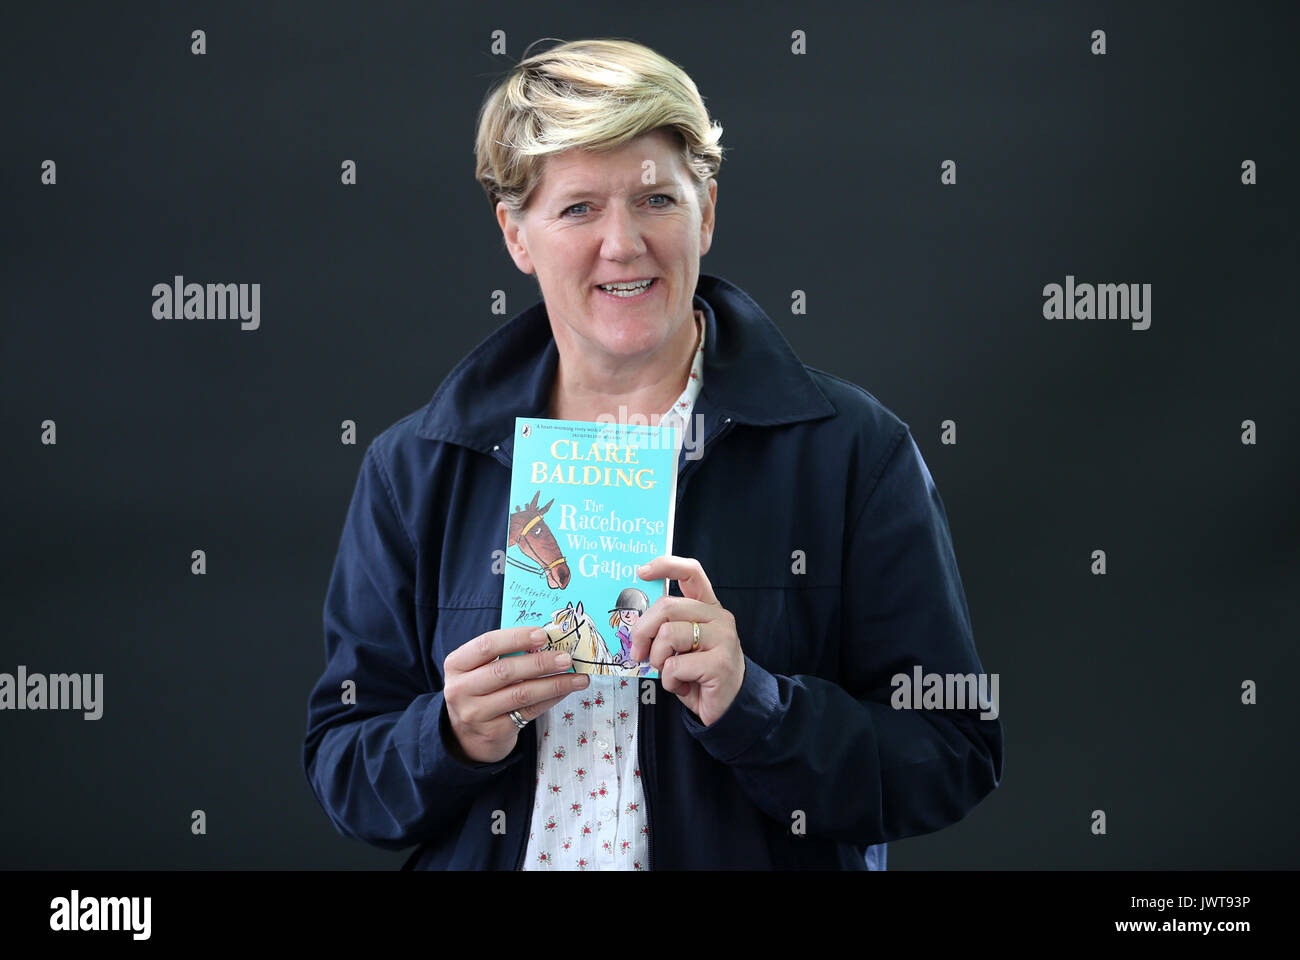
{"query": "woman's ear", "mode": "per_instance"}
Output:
(708, 214)
(516, 238)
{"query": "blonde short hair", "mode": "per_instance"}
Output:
(589, 94)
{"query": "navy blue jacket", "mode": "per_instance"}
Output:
(794, 459)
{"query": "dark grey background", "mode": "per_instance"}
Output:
(1119, 692)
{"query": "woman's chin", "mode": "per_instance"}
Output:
(629, 340)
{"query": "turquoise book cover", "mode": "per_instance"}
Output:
(590, 502)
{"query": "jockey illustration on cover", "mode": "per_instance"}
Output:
(627, 610)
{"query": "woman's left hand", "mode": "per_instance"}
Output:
(707, 679)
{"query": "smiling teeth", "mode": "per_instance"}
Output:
(625, 289)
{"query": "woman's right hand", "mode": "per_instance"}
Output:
(481, 687)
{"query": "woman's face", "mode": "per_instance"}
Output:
(592, 220)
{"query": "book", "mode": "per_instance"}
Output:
(590, 503)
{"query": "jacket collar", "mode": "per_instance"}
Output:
(750, 374)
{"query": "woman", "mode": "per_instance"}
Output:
(812, 560)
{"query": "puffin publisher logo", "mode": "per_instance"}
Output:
(77, 913)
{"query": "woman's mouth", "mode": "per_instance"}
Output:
(636, 290)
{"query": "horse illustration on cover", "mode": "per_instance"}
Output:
(574, 632)
(529, 532)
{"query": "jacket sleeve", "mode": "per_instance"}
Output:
(861, 770)
(383, 767)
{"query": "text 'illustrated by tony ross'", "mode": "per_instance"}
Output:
(591, 502)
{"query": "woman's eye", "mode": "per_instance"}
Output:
(656, 206)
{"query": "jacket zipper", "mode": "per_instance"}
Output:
(532, 795)
(532, 765)
(642, 717)
(724, 427)
(651, 781)
(645, 718)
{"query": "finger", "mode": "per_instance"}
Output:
(535, 710)
(688, 573)
(501, 673)
(684, 668)
(527, 693)
(528, 713)
(673, 638)
(665, 610)
(666, 678)
(486, 647)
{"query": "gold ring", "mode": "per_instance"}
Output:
(696, 645)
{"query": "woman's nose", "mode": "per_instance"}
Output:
(622, 235)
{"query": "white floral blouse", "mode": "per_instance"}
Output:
(589, 812)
